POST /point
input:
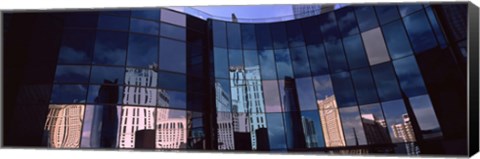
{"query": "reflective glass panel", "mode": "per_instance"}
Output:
(100, 126)
(375, 46)
(219, 30)
(249, 39)
(113, 22)
(425, 116)
(374, 124)
(142, 50)
(311, 30)
(220, 62)
(234, 36)
(332, 126)
(172, 55)
(300, 62)
(398, 122)
(364, 86)
(276, 132)
(110, 48)
(267, 64)
(68, 93)
(288, 94)
(344, 92)
(347, 22)
(271, 96)
(295, 34)
(436, 27)
(366, 17)
(222, 96)
(420, 32)
(107, 75)
(409, 75)
(323, 87)
(141, 77)
(172, 81)
(328, 26)
(144, 26)
(386, 13)
(335, 56)
(355, 52)
(137, 126)
(235, 58)
(387, 86)
(312, 129)
(59, 119)
(172, 31)
(284, 64)
(152, 14)
(396, 40)
(72, 74)
(352, 126)
(140, 96)
(105, 94)
(264, 40)
(318, 64)
(77, 47)
(305, 93)
(279, 35)
(250, 58)
(171, 128)
(173, 17)
(406, 9)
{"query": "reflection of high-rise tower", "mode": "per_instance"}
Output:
(375, 130)
(171, 132)
(64, 124)
(247, 101)
(331, 125)
(309, 132)
(139, 80)
(404, 131)
(134, 119)
(224, 119)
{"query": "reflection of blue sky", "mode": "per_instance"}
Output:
(87, 126)
(177, 99)
(409, 76)
(142, 50)
(69, 55)
(100, 73)
(328, 26)
(393, 111)
(276, 133)
(424, 113)
(347, 21)
(144, 26)
(314, 116)
(323, 86)
(306, 94)
(300, 61)
(110, 48)
(420, 32)
(69, 93)
(284, 66)
(267, 64)
(77, 74)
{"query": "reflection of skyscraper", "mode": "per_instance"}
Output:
(134, 119)
(331, 125)
(64, 125)
(404, 131)
(139, 80)
(375, 130)
(309, 132)
(247, 101)
(171, 132)
(224, 119)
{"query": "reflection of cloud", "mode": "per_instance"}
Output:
(68, 54)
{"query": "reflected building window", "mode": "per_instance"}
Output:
(135, 120)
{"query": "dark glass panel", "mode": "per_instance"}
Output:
(397, 120)
(375, 46)
(343, 88)
(328, 26)
(196, 38)
(386, 13)
(293, 130)
(409, 75)
(352, 126)
(77, 47)
(234, 36)
(153, 14)
(171, 99)
(406, 9)
(219, 30)
(312, 129)
(420, 32)
(110, 48)
(284, 64)
(220, 62)
(264, 40)
(235, 58)
(305, 93)
(171, 128)
(172, 81)
(81, 20)
(271, 96)
(72, 74)
(318, 59)
(436, 27)
(300, 62)
(267, 64)
(172, 31)
(100, 126)
(68, 94)
(364, 86)
(141, 77)
(279, 35)
(249, 39)
(311, 30)
(113, 22)
(347, 22)
(288, 95)
(107, 75)
(142, 50)
(250, 58)
(116, 12)
(323, 87)
(173, 55)
(425, 116)
(294, 33)
(355, 52)
(396, 40)
(374, 124)
(335, 56)
(366, 17)
(387, 86)
(144, 26)
(276, 131)
(105, 94)
(173, 17)
(139, 96)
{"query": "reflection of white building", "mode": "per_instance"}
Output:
(64, 125)
(247, 101)
(138, 80)
(171, 132)
(133, 120)
(404, 131)
(224, 119)
(331, 125)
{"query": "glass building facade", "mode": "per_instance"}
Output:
(363, 79)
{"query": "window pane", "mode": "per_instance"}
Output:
(271, 95)
(375, 46)
(366, 18)
(77, 47)
(113, 22)
(107, 75)
(352, 126)
(425, 116)
(68, 94)
(172, 81)
(344, 93)
(295, 35)
(355, 52)
(219, 30)
(173, 17)
(300, 62)
(397, 40)
(323, 87)
(100, 126)
(249, 39)
(347, 21)
(144, 26)
(235, 58)
(318, 64)
(172, 55)
(171, 31)
(153, 14)
(251, 58)
(311, 30)
(279, 35)
(398, 121)
(406, 9)
(141, 77)
(110, 48)
(105, 94)
(171, 99)
(139, 96)
(312, 129)
(387, 86)
(142, 50)
(386, 13)
(305, 93)
(264, 40)
(221, 62)
(72, 74)
(234, 36)
(276, 131)
(335, 56)
(267, 63)
(284, 64)
(364, 86)
(328, 25)
(409, 75)
(376, 130)
(420, 32)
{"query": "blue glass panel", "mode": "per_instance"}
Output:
(386, 13)
(142, 50)
(172, 81)
(311, 30)
(235, 58)
(220, 62)
(172, 31)
(264, 40)
(343, 88)
(72, 74)
(284, 64)
(267, 64)
(406, 9)
(409, 75)
(172, 55)
(113, 22)
(276, 131)
(305, 93)
(249, 39)
(366, 17)
(105, 94)
(387, 86)
(77, 47)
(234, 36)
(396, 40)
(219, 30)
(250, 58)
(328, 26)
(295, 34)
(318, 64)
(355, 52)
(364, 86)
(347, 21)
(420, 32)
(375, 46)
(153, 14)
(436, 27)
(279, 35)
(335, 56)
(110, 48)
(312, 129)
(300, 62)
(107, 75)
(323, 87)
(68, 94)
(174, 99)
(144, 26)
